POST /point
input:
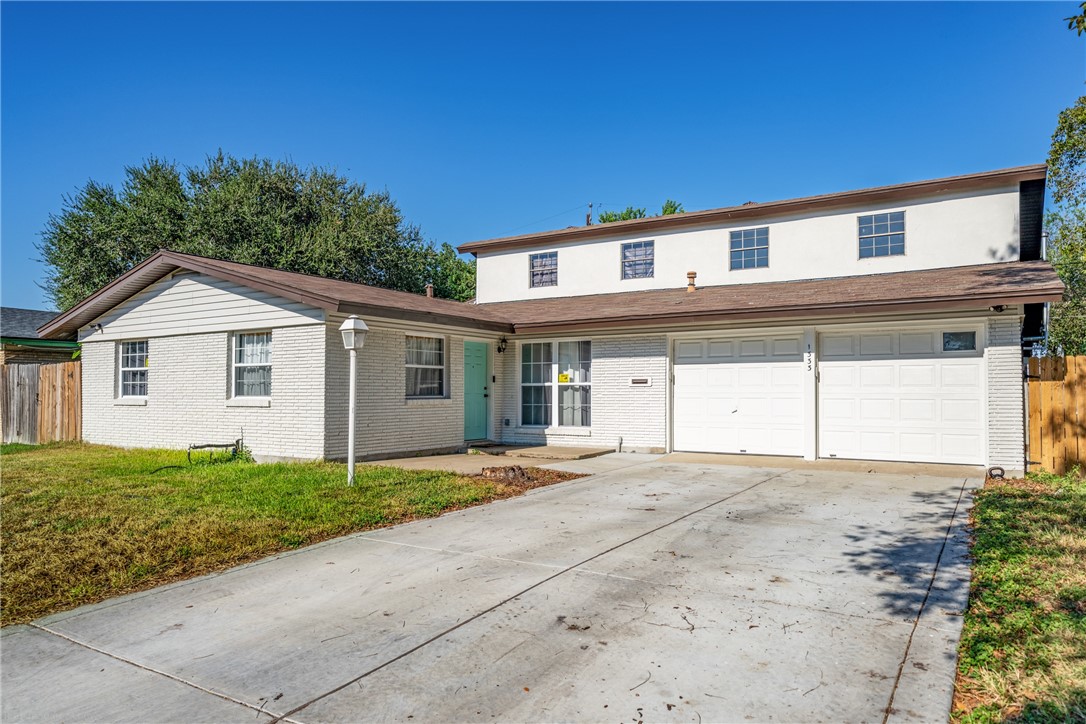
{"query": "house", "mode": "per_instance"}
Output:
(881, 324)
(20, 342)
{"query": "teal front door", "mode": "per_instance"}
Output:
(476, 391)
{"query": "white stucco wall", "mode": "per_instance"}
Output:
(944, 231)
(188, 396)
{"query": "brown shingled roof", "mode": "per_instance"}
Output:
(329, 294)
(968, 287)
(749, 210)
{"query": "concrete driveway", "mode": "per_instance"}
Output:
(657, 592)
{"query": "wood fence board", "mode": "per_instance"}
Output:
(1056, 391)
(41, 402)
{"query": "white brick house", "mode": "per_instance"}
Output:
(882, 324)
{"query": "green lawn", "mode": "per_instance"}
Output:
(85, 522)
(1023, 651)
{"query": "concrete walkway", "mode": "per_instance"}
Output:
(657, 591)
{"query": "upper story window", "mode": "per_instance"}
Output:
(637, 260)
(252, 364)
(882, 234)
(750, 248)
(544, 269)
(425, 367)
(133, 369)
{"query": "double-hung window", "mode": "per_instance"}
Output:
(543, 269)
(750, 248)
(637, 260)
(425, 367)
(556, 384)
(252, 364)
(133, 369)
(882, 234)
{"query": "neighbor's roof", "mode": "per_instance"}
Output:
(23, 323)
(329, 294)
(880, 194)
(968, 287)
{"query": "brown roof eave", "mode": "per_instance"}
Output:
(918, 189)
(806, 311)
(425, 317)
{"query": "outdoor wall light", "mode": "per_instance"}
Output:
(354, 332)
(502, 344)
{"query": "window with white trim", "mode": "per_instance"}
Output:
(133, 368)
(637, 259)
(425, 367)
(544, 269)
(252, 364)
(882, 234)
(556, 384)
(750, 248)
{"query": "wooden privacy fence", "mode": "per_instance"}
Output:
(1056, 393)
(41, 403)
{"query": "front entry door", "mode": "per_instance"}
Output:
(476, 390)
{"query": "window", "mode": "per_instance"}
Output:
(556, 384)
(750, 248)
(252, 364)
(882, 235)
(425, 367)
(544, 269)
(536, 379)
(959, 341)
(637, 260)
(134, 362)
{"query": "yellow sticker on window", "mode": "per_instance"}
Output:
(563, 377)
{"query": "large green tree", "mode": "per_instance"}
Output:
(1066, 223)
(256, 211)
(669, 207)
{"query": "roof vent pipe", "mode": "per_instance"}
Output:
(690, 277)
(430, 290)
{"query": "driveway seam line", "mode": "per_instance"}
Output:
(172, 677)
(920, 612)
(475, 617)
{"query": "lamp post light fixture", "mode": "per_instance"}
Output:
(354, 331)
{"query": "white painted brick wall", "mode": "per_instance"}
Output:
(387, 421)
(1006, 432)
(635, 415)
(188, 387)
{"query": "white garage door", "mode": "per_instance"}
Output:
(915, 395)
(742, 395)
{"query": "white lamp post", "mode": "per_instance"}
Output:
(354, 331)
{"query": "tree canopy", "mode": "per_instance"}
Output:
(669, 207)
(256, 211)
(1066, 223)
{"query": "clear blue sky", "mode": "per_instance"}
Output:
(486, 119)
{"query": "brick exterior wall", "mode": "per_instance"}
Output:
(634, 416)
(188, 387)
(389, 423)
(1006, 441)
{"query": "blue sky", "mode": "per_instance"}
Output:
(484, 120)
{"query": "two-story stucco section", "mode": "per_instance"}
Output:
(945, 230)
(864, 329)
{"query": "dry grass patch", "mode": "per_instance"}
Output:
(1023, 651)
(81, 523)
